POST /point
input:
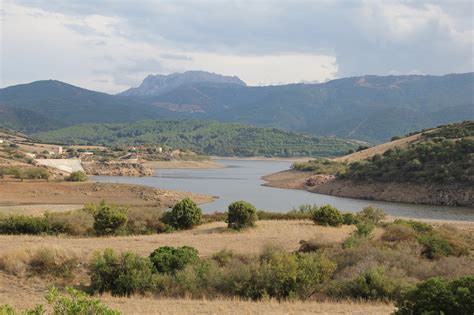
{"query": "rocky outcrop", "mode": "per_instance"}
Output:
(116, 168)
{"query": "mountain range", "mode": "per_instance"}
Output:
(369, 108)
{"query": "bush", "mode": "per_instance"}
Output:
(74, 302)
(349, 218)
(169, 259)
(373, 285)
(435, 246)
(78, 176)
(439, 296)
(327, 215)
(109, 220)
(30, 225)
(241, 215)
(398, 233)
(372, 215)
(146, 221)
(121, 275)
(29, 173)
(419, 227)
(364, 229)
(184, 215)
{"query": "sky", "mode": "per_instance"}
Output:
(111, 45)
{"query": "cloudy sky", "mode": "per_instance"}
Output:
(110, 45)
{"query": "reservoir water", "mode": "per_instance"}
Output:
(241, 180)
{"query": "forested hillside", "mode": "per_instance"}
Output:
(369, 108)
(206, 137)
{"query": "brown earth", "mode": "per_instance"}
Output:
(116, 168)
(13, 193)
(435, 194)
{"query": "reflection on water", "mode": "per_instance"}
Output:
(240, 180)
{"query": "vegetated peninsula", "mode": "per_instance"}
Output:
(432, 167)
(203, 137)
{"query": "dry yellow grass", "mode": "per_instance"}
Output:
(25, 293)
(379, 149)
(207, 238)
(138, 305)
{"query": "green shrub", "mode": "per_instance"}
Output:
(29, 173)
(373, 285)
(109, 220)
(223, 257)
(184, 215)
(327, 215)
(169, 259)
(121, 275)
(371, 214)
(290, 215)
(30, 225)
(419, 227)
(436, 246)
(439, 296)
(78, 176)
(241, 215)
(146, 221)
(364, 229)
(73, 302)
(349, 218)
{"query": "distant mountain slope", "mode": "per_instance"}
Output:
(154, 85)
(45, 105)
(207, 137)
(370, 108)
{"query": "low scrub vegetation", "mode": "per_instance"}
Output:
(321, 166)
(70, 302)
(23, 173)
(78, 176)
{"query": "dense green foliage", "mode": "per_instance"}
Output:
(327, 215)
(241, 215)
(184, 215)
(205, 137)
(169, 259)
(78, 176)
(445, 161)
(30, 225)
(122, 274)
(109, 219)
(439, 296)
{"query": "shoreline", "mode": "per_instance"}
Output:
(181, 164)
(426, 194)
(261, 158)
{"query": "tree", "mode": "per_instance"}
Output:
(328, 215)
(184, 215)
(241, 215)
(109, 219)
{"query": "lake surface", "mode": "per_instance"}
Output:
(241, 180)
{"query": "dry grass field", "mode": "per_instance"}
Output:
(207, 239)
(25, 293)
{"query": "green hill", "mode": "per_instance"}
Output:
(205, 137)
(441, 155)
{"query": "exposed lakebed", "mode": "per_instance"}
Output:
(241, 180)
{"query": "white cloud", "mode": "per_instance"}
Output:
(110, 45)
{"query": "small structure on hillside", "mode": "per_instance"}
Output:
(58, 150)
(1, 141)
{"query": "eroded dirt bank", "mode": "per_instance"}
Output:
(435, 194)
(40, 192)
(115, 168)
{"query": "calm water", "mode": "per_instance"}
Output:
(240, 180)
